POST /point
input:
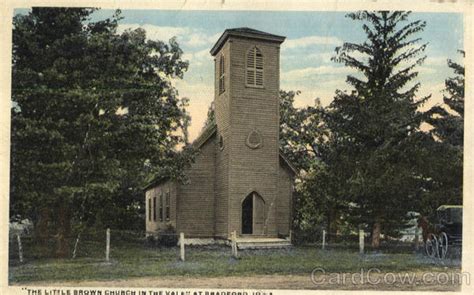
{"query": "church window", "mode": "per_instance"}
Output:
(167, 205)
(161, 207)
(154, 208)
(149, 209)
(221, 74)
(254, 72)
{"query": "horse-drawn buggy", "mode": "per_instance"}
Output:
(445, 233)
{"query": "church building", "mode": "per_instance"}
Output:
(240, 181)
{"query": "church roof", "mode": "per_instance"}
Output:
(210, 130)
(204, 137)
(245, 33)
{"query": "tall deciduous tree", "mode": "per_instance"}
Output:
(377, 124)
(94, 114)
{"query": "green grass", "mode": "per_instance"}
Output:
(132, 260)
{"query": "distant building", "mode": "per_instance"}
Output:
(240, 181)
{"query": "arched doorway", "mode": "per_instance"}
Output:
(253, 215)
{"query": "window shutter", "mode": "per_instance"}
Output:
(254, 69)
(251, 58)
(221, 74)
(258, 60)
(250, 77)
(259, 78)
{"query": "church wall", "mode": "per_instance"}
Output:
(285, 200)
(196, 198)
(155, 224)
(222, 110)
(254, 109)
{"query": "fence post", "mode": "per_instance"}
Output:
(107, 245)
(20, 248)
(74, 252)
(417, 239)
(181, 245)
(324, 240)
(234, 244)
(361, 241)
(290, 236)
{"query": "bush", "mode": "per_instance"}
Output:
(167, 237)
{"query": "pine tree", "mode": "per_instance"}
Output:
(445, 175)
(376, 125)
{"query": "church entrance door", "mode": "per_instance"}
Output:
(253, 215)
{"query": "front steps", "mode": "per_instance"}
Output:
(247, 243)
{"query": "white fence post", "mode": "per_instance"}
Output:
(20, 248)
(107, 245)
(181, 245)
(361, 241)
(324, 240)
(234, 244)
(74, 252)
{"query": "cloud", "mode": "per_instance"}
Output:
(307, 73)
(436, 61)
(156, 32)
(310, 41)
(199, 58)
(186, 36)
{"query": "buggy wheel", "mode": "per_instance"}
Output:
(443, 245)
(431, 246)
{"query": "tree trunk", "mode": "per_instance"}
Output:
(376, 230)
(64, 230)
(42, 226)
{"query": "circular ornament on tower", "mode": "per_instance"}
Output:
(254, 140)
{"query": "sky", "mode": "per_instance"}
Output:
(306, 65)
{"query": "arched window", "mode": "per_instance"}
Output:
(254, 68)
(221, 74)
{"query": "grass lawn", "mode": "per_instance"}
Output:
(130, 260)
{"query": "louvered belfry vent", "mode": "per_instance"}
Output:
(254, 75)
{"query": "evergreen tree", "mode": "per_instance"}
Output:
(94, 116)
(376, 126)
(444, 185)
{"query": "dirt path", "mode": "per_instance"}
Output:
(327, 282)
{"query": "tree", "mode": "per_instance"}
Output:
(94, 116)
(446, 145)
(377, 125)
(302, 131)
(211, 117)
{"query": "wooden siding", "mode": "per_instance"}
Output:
(253, 109)
(220, 178)
(157, 225)
(222, 104)
(285, 200)
(196, 198)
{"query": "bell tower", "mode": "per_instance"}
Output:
(247, 84)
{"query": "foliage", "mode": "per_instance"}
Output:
(94, 115)
(446, 169)
(211, 116)
(376, 126)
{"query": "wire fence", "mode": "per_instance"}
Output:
(98, 243)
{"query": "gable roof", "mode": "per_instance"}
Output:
(245, 33)
(211, 130)
(202, 139)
